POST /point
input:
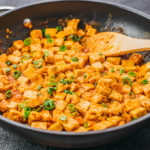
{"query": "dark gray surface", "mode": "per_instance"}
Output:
(139, 141)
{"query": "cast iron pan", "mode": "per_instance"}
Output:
(126, 20)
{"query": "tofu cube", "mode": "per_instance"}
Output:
(50, 31)
(116, 96)
(138, 112)
(56, 127)
(18, 44)
(98, 66)
(98, 98)
(83, 106)
(14, 59)
(136, 58)
(96, 58)
(114, 60)
(30, 94)
(102, 125)
(146, 89)
(22, 80)
(137, 89)
(104, 90)
(36, 34)
(40, 125)
(61, 105)
(58, 42)
(70, 124)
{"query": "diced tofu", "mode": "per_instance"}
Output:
(71, 27)
(45, 115)
(82, 61)
(90, 31)
(115, 108)
(96, 58)
(30, 94)
(1, 87)
(147, 66)
(2, 96)
(116, 96)
(136, 58)
(114, 120)
(29, 72)
(81, 33)
(61, 105)
(40, 125)
(104, 90)
(146, 89)
(102, 125)
(36, 34)
(14, 59)
(114, 60)
(35, 47)
(131, 104)
(60, 34)
(60, 95)
(58, 42)
(146, 104)
(126, 89)
(3, 105)
(49, 56)
(74, 87)
(32, 103)
(70, 124)
(3, 58)
(50, 31)
(56, 127)
(73, 99)
(83, 106)
(18, 44)
(137, 89)
(22, 80)
(88, 86)
(33, 116)
(68, 44)
(98, 98)
(17, 53)
(58, 58)
(98, 66)
(138, 112)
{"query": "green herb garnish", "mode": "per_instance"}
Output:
(85, 124)
(58, 28)
(75, 59)
(27, 41)
(63, 118)
(104, 105)
(49, 104)
(62, 48)
(16, 74)
(15, 66)
(145, 81)
(7, 70)
(27, 112)
(38, 63)
(127, 80)
(8, 93)
(131, 73)
(8, 62)
(121, 71)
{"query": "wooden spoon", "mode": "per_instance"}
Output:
(114, 44)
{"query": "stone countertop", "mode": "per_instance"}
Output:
(138, 141)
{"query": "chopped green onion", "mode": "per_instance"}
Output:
(112, 70)
(75, 38)
(7, 70)
(16, 74)
(21, 61)
(73, 112)
(50, 92)
(39, 94)
(84, 75)
(27, 112)
(127, 80)
(145, 81)
(121, 71)
(43, 32)
(47, 36)
(68, 92)
(46, 53)
(104, 105)
(27, 41)
(71, 106)
(52, 78)
(58, 28)
(75, 59)
(63, 118)
(95, 84)
(132, 95)
(65, 81)
(15, 66)
(8, 62)
(22, 106)
(62, 48)
(38, 108)
(49, 104)
(38, 63)
(133, 119)
(39, 87)
(85, 124)
(100, 54)
(53, 85)
(26, 57)
(8, 93)
(49, 40)
(131, 73)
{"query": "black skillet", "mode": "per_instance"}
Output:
(133, 22)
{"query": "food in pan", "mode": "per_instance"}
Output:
(51, 81)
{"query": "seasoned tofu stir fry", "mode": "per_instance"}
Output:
(51, 81)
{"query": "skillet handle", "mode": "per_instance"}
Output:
(5, 8)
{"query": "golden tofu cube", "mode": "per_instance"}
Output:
(18, 44)
(14, 59)
(98, 98)
(90, 31)
(40, 125)
(102, 125)
(138, 112)
(136, 58)
(98, 66)
(30, 94)
(22, 80)
(116, 96)
(36, 34)
(50, 31)
(58, 42)
(56, 127)
(96, 57)
(146, 89)
(61, 105)
(114, 60)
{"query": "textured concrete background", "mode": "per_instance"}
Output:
(139, 141)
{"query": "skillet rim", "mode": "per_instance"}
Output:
(105, 131)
